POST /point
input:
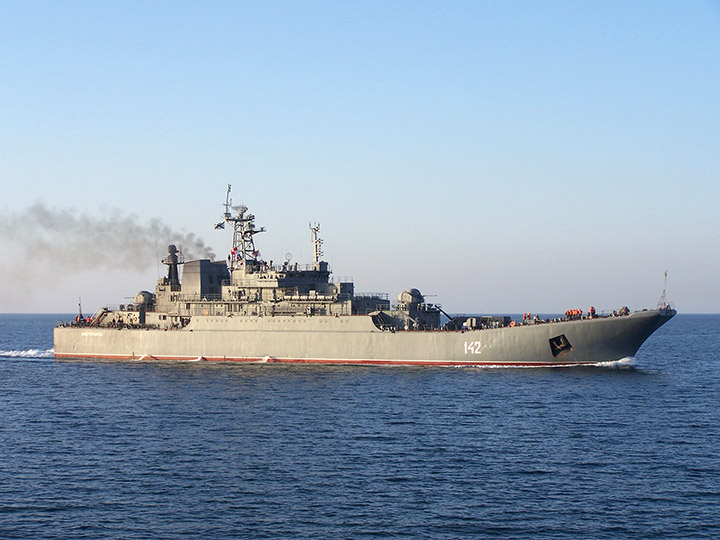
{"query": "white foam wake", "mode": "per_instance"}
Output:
(29, 353)
(627, 362)
(624, 363)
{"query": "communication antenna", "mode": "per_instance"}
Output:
(317, 242)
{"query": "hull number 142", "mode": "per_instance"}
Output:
(472, 347)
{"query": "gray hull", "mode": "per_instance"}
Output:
(356, 340)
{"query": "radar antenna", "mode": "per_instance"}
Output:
(243, 252)
(317, 242)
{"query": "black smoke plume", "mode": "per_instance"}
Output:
(66, 240)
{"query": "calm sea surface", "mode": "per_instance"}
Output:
(208, 451)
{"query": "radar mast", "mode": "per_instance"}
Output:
(243, 252)
(317, 243)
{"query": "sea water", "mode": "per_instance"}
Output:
(135, 450)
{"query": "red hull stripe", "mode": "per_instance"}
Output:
(148, 357)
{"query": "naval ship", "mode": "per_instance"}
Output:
(245, 309)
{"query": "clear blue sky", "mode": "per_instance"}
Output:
(504, 156)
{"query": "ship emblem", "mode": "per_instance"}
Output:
(559, 345)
